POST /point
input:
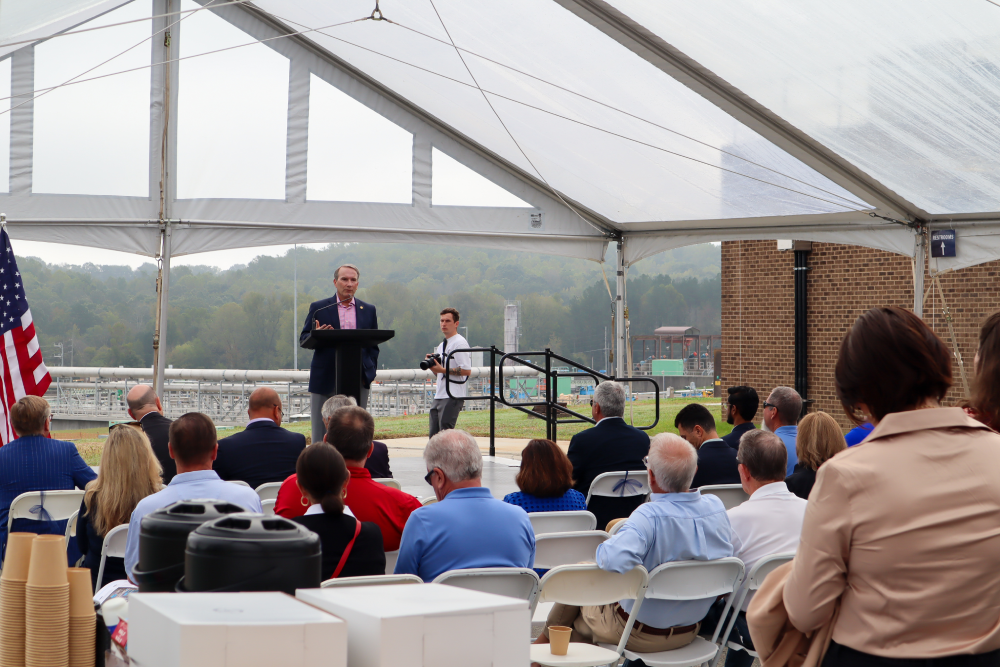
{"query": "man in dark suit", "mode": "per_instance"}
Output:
(741, 407)
(264, 452)
(611, 446)
(342, 311)
(144, 407)
(716, 460)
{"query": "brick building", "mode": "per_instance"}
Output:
(842, 281)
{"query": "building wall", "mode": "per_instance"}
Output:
(844, 281)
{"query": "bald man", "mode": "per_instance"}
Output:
(264, 452)
(144, 407)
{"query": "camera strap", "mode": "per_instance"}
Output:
(444, 348)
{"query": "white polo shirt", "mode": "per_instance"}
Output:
(461, 360)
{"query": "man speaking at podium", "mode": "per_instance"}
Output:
(342, 311)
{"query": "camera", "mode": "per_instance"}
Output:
(425, 364)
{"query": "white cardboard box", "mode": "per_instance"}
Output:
(430, 625)
(232, 630)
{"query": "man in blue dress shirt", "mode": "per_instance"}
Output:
(782, 410)
(35, 462)
(193, 444)
(468, 527)
(675, 525)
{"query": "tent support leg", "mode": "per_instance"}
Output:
(162, 297)
(919, 262)
(620, 370)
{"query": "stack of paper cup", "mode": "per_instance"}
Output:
(82, 618)
(46, 604)
(12, 581)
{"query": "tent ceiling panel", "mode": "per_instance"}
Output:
(904, 90)
(23, 20)
(135, 237)
(624, 166)
(454, 184)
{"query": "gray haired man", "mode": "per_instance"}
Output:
(782, 410)
(468, 527)
(378, 463)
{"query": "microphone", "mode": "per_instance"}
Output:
(324, 308)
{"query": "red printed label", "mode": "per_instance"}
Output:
(120, 635)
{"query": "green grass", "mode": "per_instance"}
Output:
(510, 423)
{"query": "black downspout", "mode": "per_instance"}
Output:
(802, 250)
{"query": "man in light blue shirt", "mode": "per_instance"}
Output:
(193, 445)
(676, 525)
(781, 416)
(467, 527)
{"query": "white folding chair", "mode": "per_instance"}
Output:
(585, 585)
(71, 527)
(430, 500)
(615, 528)
(562, 522)
(622, 484)
(58, 505)
(512, 582)
(554, 549)
(388, 481)
(267, 506)
(268, 491)
(691, 580)
(731, 495)
(761, 569)
(238, 481)
(390, 561)
(113, 547)
(376, 580)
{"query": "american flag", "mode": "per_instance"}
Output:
(24, 372)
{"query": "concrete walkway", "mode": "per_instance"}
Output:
(505, 447)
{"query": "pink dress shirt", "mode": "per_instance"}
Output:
(348, 315)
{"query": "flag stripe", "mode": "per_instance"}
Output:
(14, 364)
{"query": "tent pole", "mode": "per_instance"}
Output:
(162, 300)
(620, 370)
(919, 262)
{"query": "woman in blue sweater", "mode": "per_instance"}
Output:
(545, 480)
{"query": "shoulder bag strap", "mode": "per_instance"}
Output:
(347, 550)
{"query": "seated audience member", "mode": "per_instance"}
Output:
(144, 407)
(781, 414)
(128, 473)
(264, 452)
(351, 548)
(193, 446)
(610, 446)
(769, 523)
(468, 527)
(716, 459)
(350, 431)
(984, 405)
(378, 463)
(36, 462)
(675, 525)
(899, 543)
(545, 480)
(818, 440)
(742, 407)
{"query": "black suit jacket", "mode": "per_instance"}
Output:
(716, 465)
(733, 438)
(378, 463)
(323, 370)
(801, 481)
(157, 429)
(610, 446)
(367, 557)
(263, 453)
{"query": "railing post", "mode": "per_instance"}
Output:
(493, 405)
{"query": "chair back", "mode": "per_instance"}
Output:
(238, 481)
(562, 522)
(623, 484)
(377, 580)
(582, 585)
(512, 582)
(429, 500)
(766, 566)
(554, 549)
(71, 526)
(268, 491)
(731, 495)
(113, 547)
(390, 561)
(267, 506)
(697, 580)
(388, 481)
(58, 505)
(615, 528)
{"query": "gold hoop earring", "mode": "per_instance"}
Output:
(305, 503)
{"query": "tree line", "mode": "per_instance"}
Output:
(242, 317)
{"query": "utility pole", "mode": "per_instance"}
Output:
(61, 354)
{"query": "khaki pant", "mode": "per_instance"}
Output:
(602, 624)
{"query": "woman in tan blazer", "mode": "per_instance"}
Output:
(901, 536)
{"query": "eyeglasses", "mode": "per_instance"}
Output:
(427, 477)
(135, 425)
(645, 461)
(769, 405)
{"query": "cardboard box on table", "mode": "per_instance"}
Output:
(232, 630)
(431, 625)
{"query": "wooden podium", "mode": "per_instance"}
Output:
(347, 344)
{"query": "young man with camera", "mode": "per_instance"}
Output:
(444, 410)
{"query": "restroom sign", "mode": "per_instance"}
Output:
(943, 243)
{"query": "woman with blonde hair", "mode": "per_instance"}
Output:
(818, 440)
(129, 472)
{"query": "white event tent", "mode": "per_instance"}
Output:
(170, 127)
